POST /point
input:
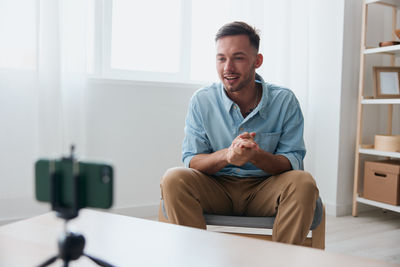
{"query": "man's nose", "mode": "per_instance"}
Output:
(229, 67)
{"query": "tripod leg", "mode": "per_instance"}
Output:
(98, 261)
(49, 261)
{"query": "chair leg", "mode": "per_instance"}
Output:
(318, 234)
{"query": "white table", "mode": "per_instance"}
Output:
(127, 241)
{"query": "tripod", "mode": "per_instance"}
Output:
(70, 245)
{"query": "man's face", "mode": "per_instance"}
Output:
(236, 62)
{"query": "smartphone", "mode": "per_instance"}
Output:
(95, 183)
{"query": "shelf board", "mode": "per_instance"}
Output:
(387, 2)
(378, 204)
(381, 101)
(370, 151)
(392, 49)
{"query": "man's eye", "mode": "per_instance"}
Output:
(221, 59)
(239, 58)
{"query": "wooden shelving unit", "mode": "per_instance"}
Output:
(378, 204)
(369, 151)
(380, 101)
(393, 52)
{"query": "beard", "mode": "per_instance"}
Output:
(247, 79)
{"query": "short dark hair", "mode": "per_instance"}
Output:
(238, 28)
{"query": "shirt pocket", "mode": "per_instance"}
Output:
(268, 141)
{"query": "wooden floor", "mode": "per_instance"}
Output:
(374, 234)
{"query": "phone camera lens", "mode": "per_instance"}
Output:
(106, 179)
(106, 176)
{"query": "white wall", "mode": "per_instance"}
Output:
(139, 127)
(348, 104)
(324, 102)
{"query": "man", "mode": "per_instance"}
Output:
(243, 147)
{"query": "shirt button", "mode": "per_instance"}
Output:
(241, 129)
(234, 107)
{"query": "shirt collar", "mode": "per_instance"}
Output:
(227, 102)
(262, 106)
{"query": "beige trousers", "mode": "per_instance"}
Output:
(290, 196)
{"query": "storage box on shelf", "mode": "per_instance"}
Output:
(381, 181)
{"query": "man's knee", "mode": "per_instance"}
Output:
(174, 179)
(303, 182)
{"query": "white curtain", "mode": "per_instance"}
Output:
(42, 89)
(61, 70)
(43, 52)
(285, 45)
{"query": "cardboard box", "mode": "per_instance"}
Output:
(381, 181)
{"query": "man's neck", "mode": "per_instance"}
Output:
(246, 98)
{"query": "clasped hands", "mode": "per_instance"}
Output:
(242, 150)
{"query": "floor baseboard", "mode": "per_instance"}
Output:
(22, 208)
(13, 209)
(339, 210)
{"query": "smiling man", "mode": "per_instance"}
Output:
(243, 148)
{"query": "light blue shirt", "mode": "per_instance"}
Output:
(214, 120)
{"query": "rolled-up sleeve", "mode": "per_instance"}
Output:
(291, 143)
(195, 141)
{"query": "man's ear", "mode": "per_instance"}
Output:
(259, 61)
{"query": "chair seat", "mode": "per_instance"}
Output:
(239, 221)
(254, 222)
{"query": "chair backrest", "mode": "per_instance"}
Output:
(253, 222)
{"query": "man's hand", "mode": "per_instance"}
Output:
(242, 149)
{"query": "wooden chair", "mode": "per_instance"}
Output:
(316, 240)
